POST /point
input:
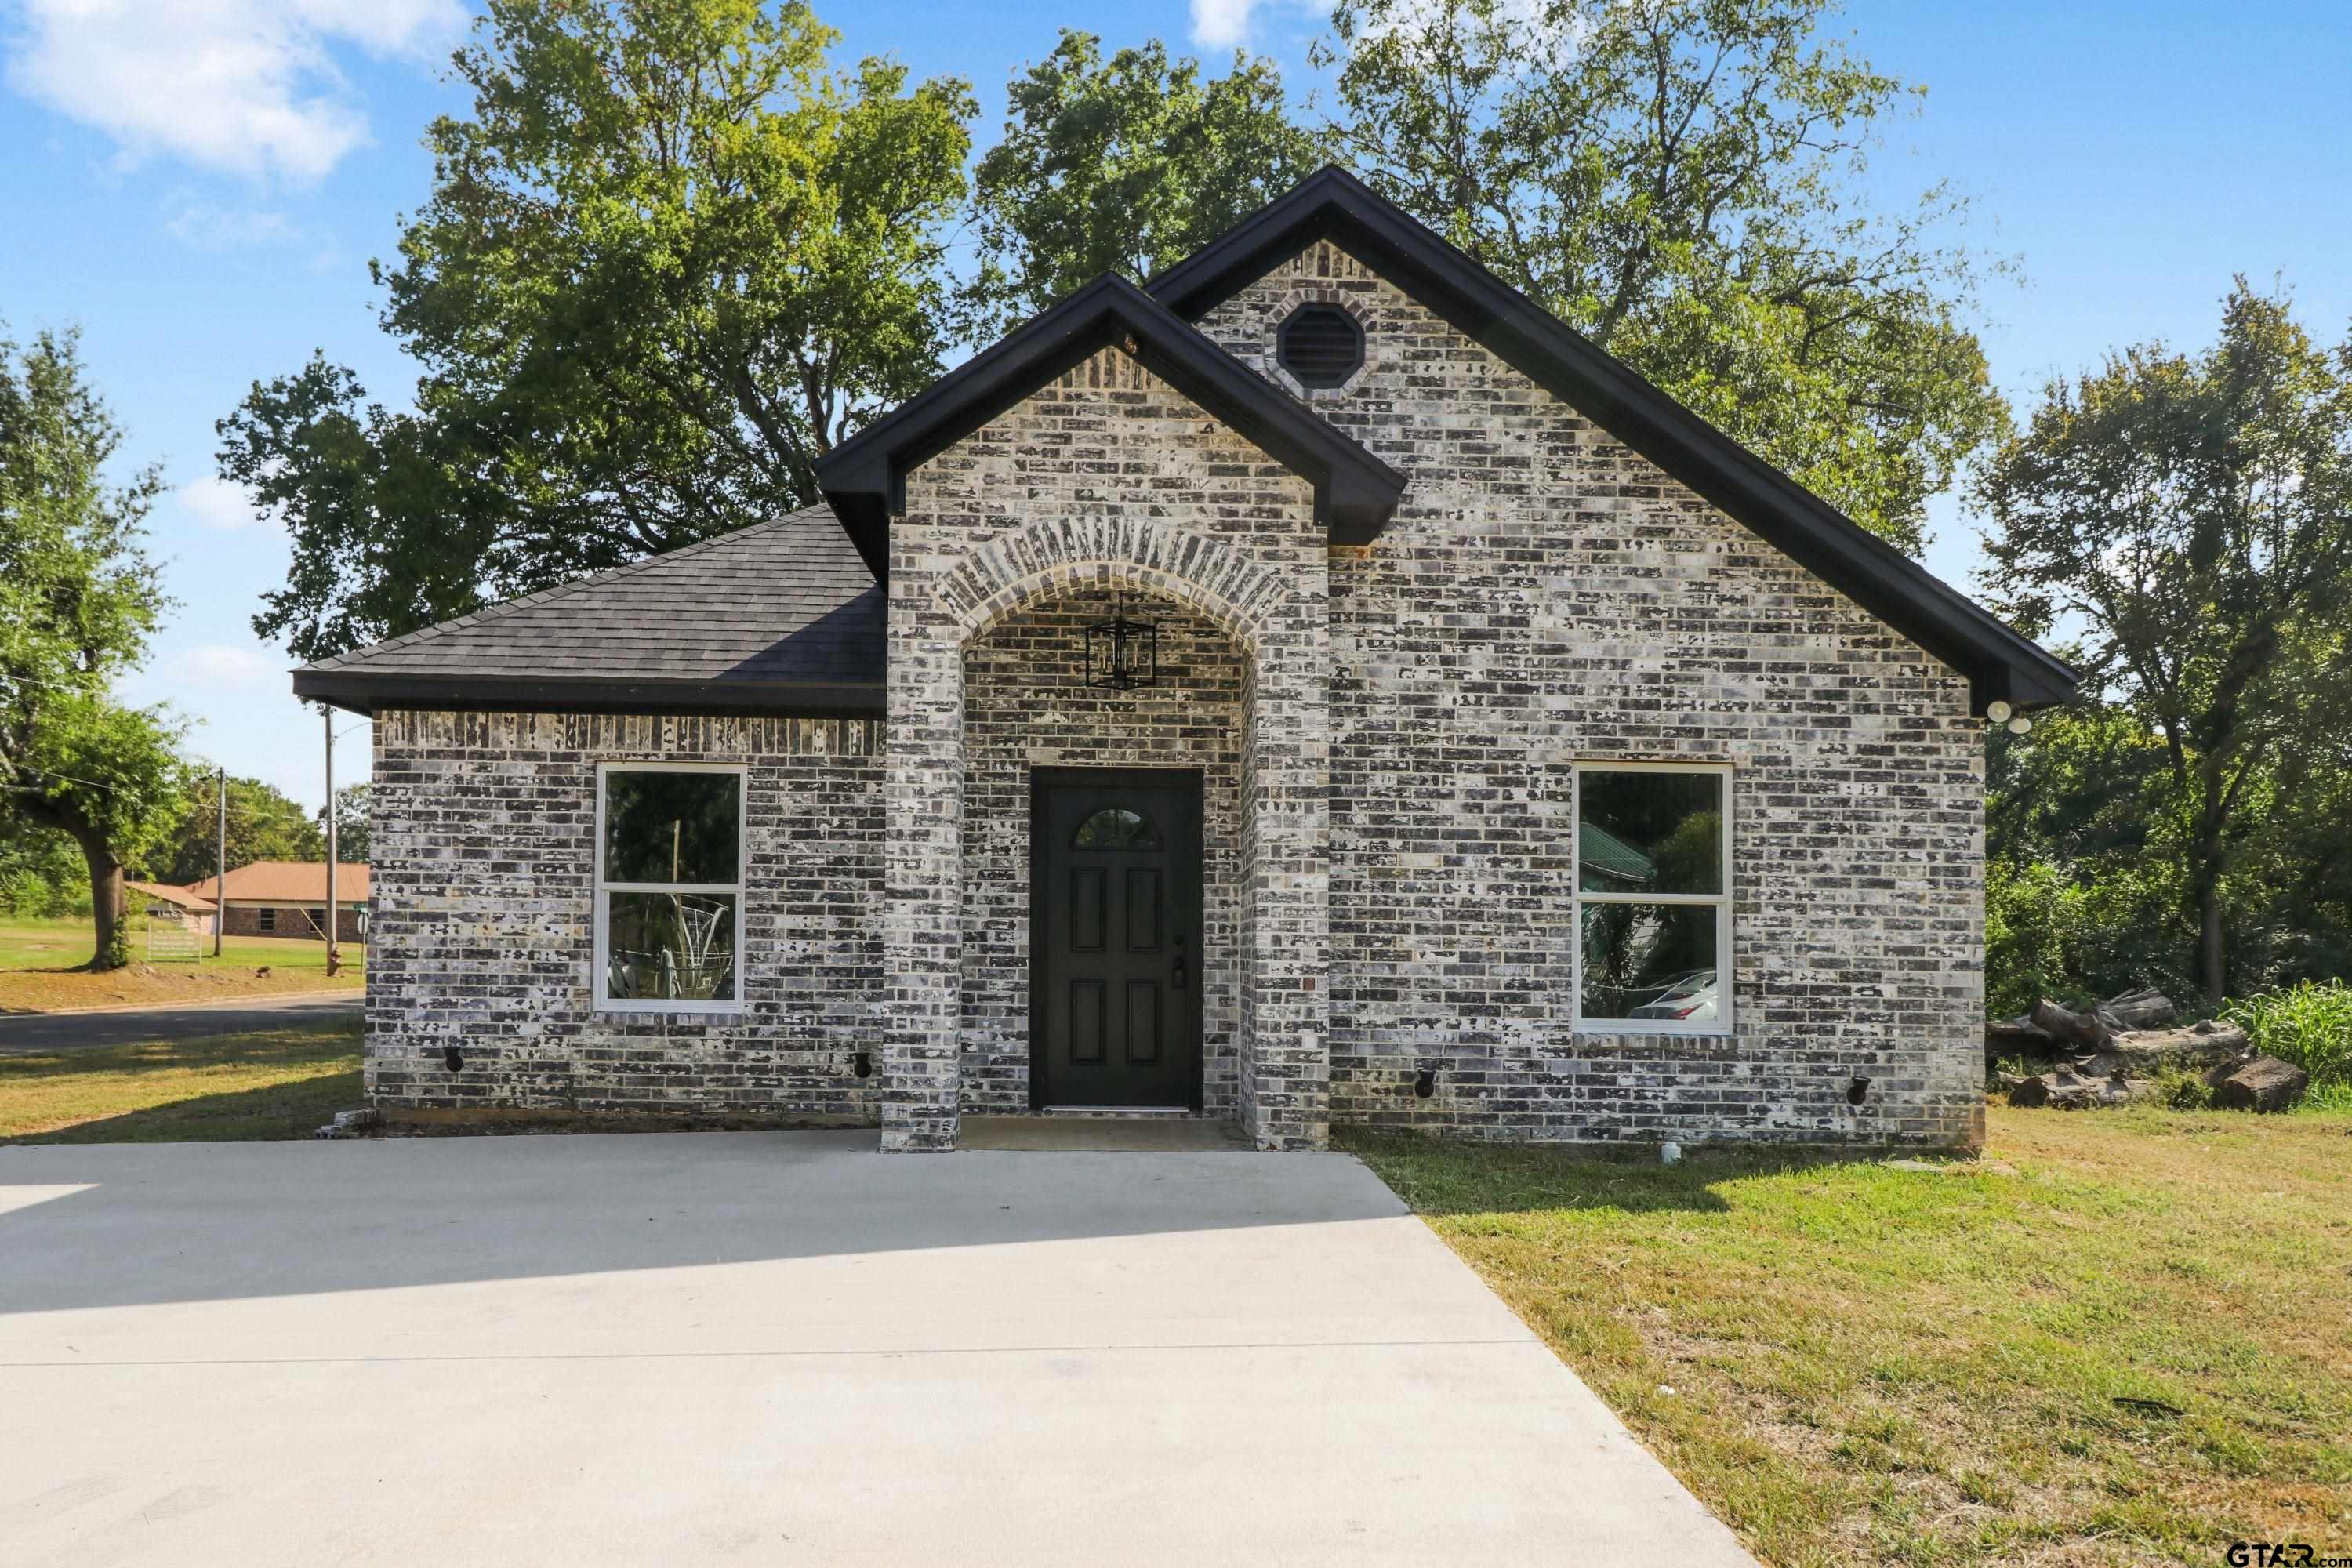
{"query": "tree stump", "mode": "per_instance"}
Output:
(2265, 1083)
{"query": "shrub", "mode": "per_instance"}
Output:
(29, 895)
(2032, 923)
(2183, 1089)
(2309, 1025)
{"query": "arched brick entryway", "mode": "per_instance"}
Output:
(1281, 1017)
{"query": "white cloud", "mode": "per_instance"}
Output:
(246, 87)
(1221, 23)
(222, 666)
(210, 227)
(218, 503)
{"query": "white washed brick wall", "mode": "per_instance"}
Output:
(1545, 594)
(480, 935)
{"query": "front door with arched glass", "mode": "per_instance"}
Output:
(1115, 938)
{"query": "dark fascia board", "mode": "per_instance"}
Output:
(373, 693)
(2001, 664)
(864, 479)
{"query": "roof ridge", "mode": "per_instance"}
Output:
(562, 590)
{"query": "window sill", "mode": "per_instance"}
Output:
(1654, 1030)
(603, 1009)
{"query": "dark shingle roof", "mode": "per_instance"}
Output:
(782, 616)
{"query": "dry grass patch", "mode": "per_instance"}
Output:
(40, 973)
(1981, 1363)
(277, 1083)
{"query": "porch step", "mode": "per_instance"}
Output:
(1063, 1130)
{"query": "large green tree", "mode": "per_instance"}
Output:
(79, 600)
(2083, 892)
(41, 870)
(264, 823)
(671, 258)
(1123, 165)
(1680, 180)
(354, 836)
(2191, 514)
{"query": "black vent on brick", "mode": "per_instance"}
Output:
(1320, 344)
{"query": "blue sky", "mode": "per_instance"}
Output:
(200, 183)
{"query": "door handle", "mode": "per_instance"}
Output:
(1180, 972)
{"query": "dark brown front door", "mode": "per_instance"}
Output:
(1115, 938)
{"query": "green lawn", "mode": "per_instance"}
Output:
(279, 1083)
(1872, 1364)
(40, 969)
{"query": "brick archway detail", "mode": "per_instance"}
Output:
(1204, 574)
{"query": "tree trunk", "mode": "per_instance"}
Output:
(2209, 932)
(2149, 1051)
(2086, 1030)
(2205, 871)
(2066, 1090)
(2144, 1008)
(106, 901)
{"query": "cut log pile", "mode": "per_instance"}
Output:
(2063, 1089)
(2111, 1055)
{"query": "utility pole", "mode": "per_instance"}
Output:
(220, 868)
(335, 914)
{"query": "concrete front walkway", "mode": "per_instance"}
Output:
(776, 1348)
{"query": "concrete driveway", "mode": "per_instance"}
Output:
(776, 1348)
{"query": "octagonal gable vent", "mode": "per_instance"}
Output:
(1321, 345)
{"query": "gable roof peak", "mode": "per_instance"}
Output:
(864, 479)
(1331, 203)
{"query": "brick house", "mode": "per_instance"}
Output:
(1315, 687)
(289, 898)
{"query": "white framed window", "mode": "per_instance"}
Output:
(670, 887)
(1652, 870)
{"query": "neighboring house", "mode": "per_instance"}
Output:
(289, 898)
(1493, 710)
(163, 901)
(176, 920)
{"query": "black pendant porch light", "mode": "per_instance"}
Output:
(1122, 654)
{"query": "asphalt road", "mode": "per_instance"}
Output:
(30, 1033)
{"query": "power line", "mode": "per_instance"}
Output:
(29, 768)
(235, 809)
